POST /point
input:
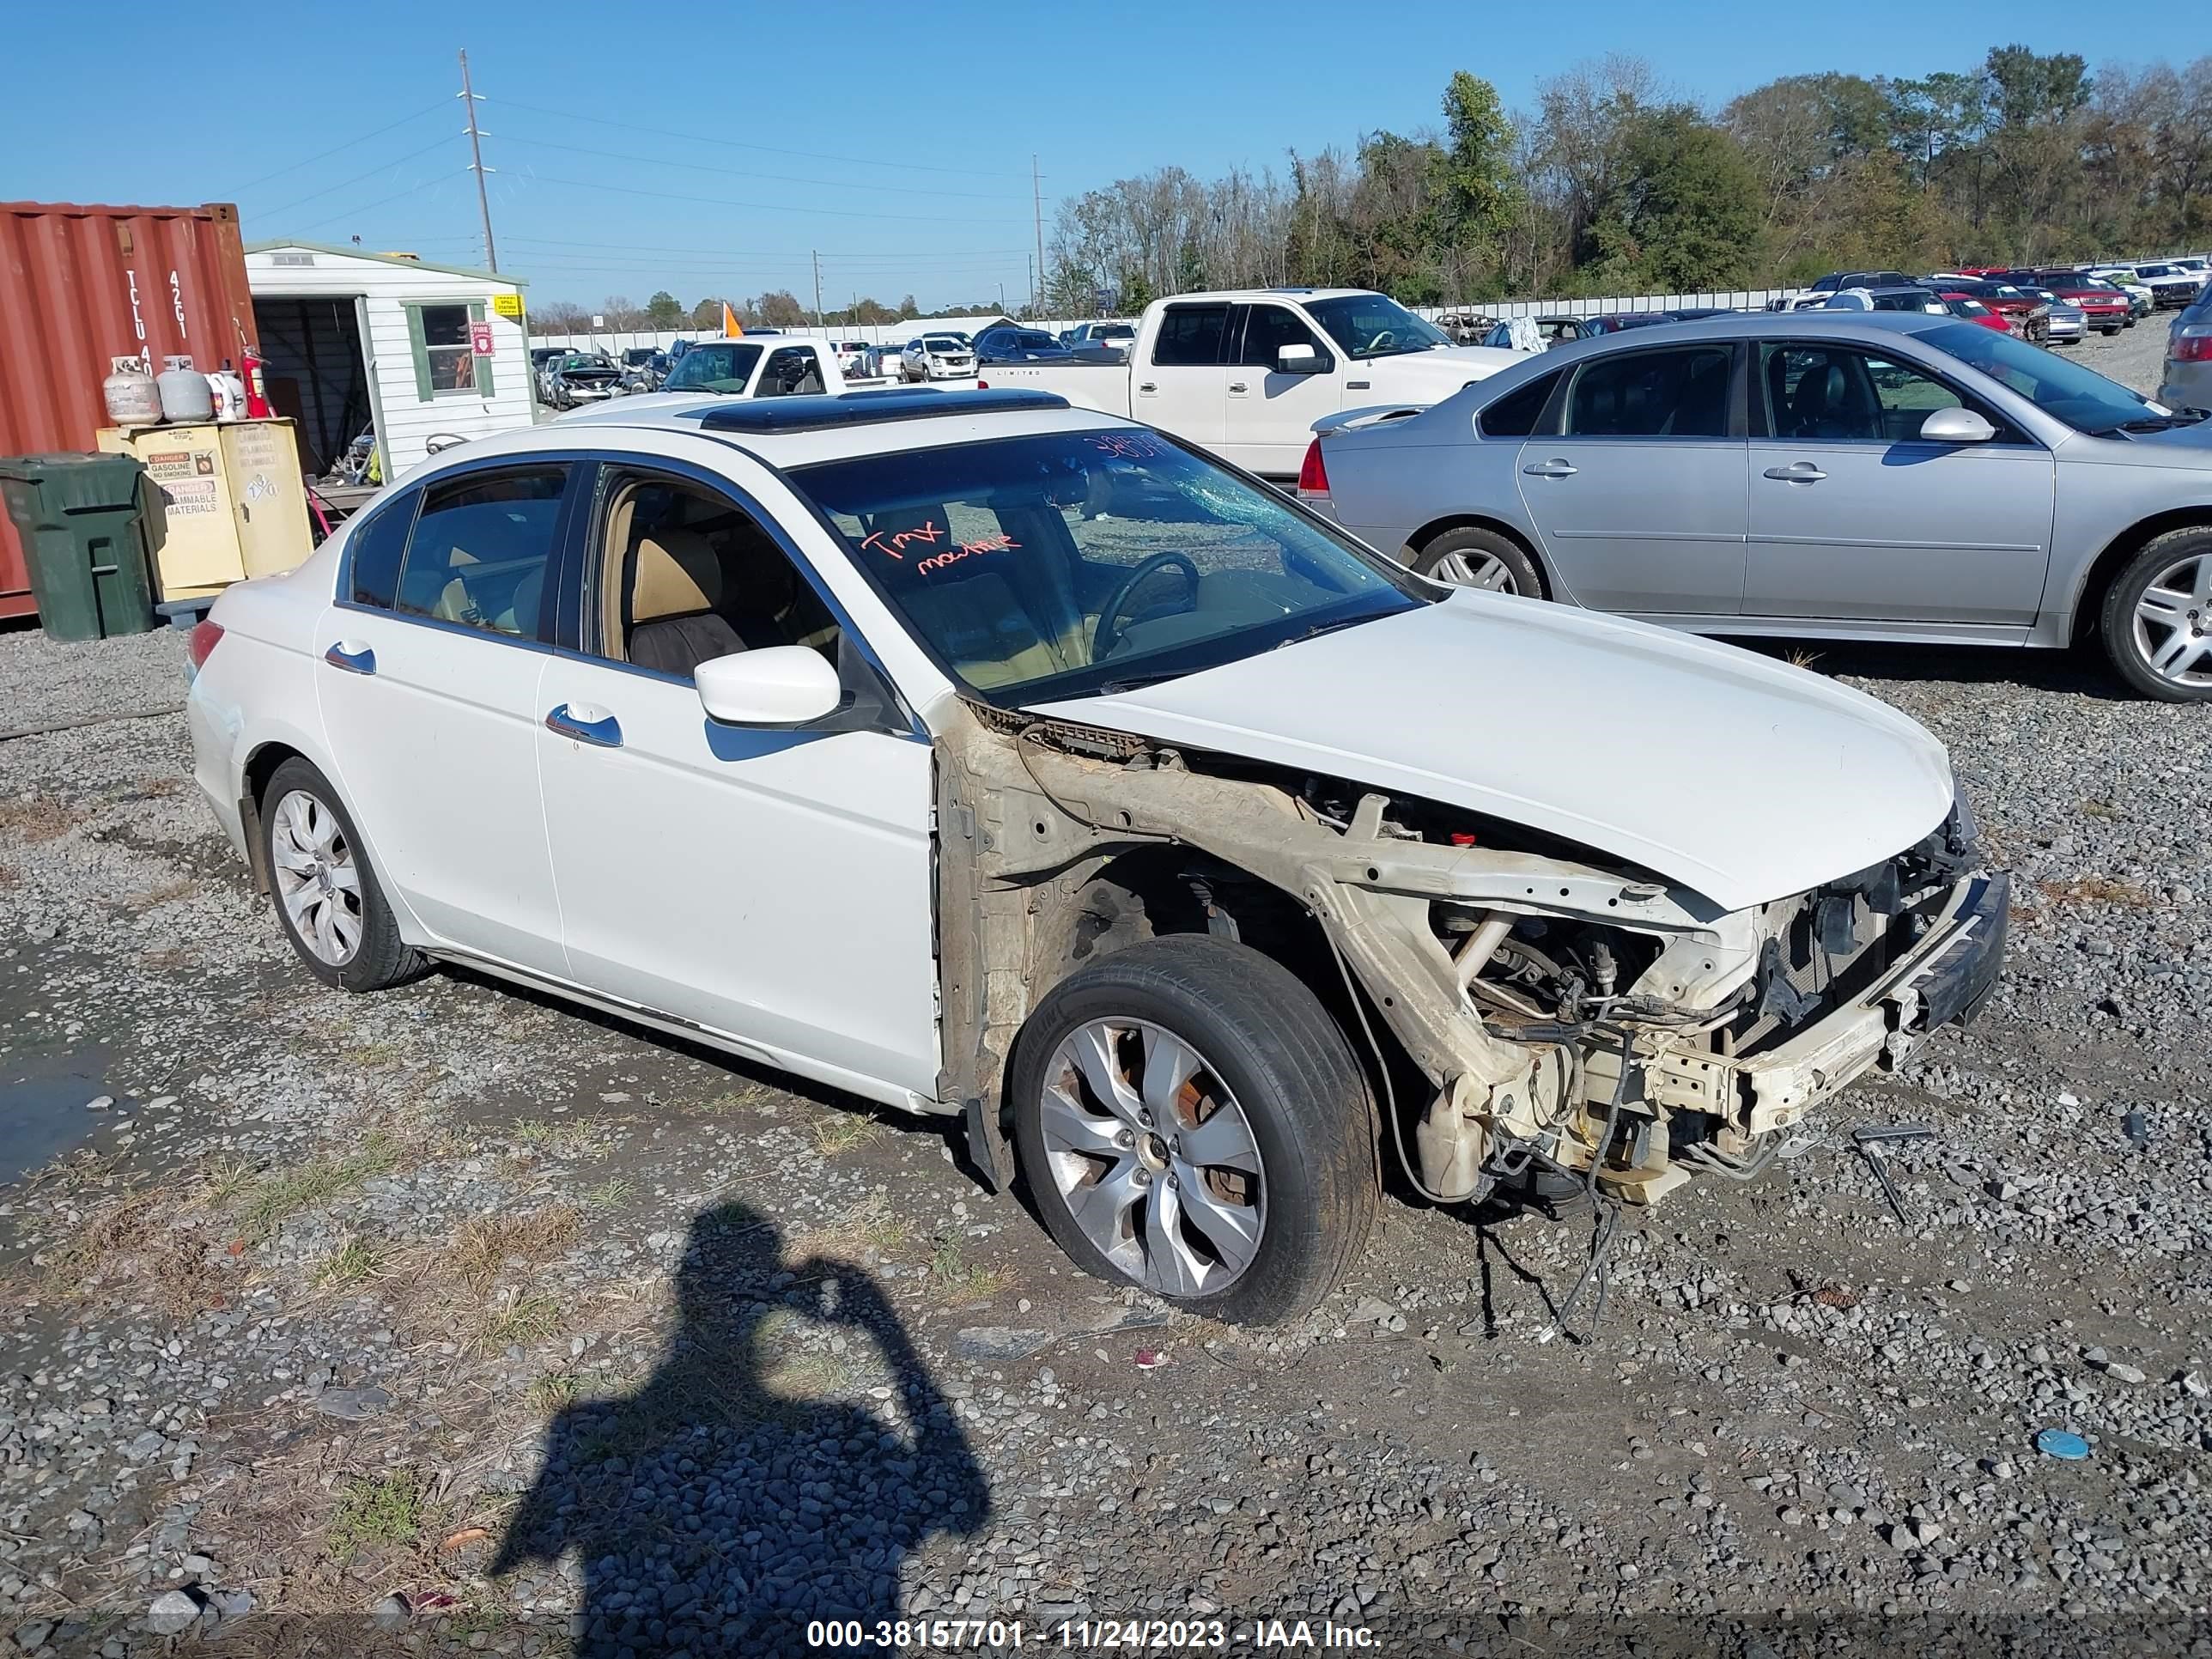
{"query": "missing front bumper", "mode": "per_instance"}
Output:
(1946, 977)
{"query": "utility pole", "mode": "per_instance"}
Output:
(475, 163)
(1036, 208)
(818, 290)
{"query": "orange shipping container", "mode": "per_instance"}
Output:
(83, 286)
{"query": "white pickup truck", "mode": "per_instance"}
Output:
(1246, 374)
(767, 367)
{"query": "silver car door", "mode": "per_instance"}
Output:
(1853, 514)
(1639, 498)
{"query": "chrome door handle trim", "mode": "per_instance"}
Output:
(1797, 472)
(605, 732)
(1551, 470)
(1237, 385)
(362, 661)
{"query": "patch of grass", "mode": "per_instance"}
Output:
(554, 1393)
(10, 877)
(607, 1195)
(2101, 808)
(486, 1243)
(2104, 891)
(272, 1199)
(843, 1131)
(521, 1321)
(728, 1101)
(379, 1512)
(162, 893)
(41, 819)
(962, 1280)
(1800, 658)
(377, 1056)
(564, 1137)
(870, 1222)
(350, 1264)
(810, 1374)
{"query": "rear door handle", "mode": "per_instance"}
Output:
(586, 722)
(1797, 472)
(354, 658)
(1552, 469)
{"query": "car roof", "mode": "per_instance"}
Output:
(787, 432)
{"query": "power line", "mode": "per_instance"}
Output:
(294, 166)
(355, 213)
(748, 172)
(381, 167)
(766, 149)
(756, 207)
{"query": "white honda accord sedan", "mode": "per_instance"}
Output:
(1005, 761)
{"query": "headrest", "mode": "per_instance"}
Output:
(675, 573)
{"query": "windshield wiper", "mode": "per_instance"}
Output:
(1319, 629)
(1139, 682)
(2153, 424)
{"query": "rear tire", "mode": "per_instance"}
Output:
(1223, 1076)
(1471, 556)
(327, 899)
(2141, 630)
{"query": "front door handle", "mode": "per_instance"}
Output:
(354, 658)
(1797, 472)
(586, 722)
(1552, 469)
(1237, 385)
(1146, 386)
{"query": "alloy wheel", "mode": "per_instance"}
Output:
(1474, 569)
(317, 876)
(1153, 1156)
(2173, 620)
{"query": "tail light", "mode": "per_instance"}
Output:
(1313, 473)
(981, 385)
(205, 637)
(2192, 344)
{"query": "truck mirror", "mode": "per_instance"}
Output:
(1299, 360)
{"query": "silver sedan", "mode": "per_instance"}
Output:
(1888, 476)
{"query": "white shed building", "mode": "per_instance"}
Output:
(352, 339)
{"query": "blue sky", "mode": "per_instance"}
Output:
(894, 139)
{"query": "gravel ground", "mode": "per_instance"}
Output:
(455, 1318)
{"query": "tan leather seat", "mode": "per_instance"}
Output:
(969, 611)
(675, 587)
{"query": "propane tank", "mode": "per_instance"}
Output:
(256, 386)
(229, 393)
(184, 393)
(132, 398)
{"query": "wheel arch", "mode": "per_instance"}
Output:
(1512, 533)
(2089, 595)
(261, 764)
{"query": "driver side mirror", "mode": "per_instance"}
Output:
(1956, 426)
(779, 685)
(1299, 360)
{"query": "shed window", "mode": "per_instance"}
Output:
(446, 344)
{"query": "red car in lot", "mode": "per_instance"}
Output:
(1972, 310)
(2029, 316)
(2103, 306)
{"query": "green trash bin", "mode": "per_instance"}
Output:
(90, 525)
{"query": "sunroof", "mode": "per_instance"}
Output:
(914, 402)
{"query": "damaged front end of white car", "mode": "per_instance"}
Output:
(1570, 1016)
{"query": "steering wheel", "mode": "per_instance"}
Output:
(1107, 635)
(1387, 337)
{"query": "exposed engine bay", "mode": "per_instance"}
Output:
(1565, 1016)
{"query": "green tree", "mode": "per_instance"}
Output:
(1477, 194)
(780, 309)
(1683, 212)
(663, 310)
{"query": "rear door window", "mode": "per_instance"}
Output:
(1190, 336)
(375, 547)
(1268, 328)
(481, 549)
(1678, 393)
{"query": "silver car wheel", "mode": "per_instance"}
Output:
(1152, 1156)
(1476, 570)
(317, 879)
(2173, 621)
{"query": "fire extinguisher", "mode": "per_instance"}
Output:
(256, 389)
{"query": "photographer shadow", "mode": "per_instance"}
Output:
(712, 1515)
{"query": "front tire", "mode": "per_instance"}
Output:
(1471, 556)
(327, 898)
(1190, 1120)
(2155, 624)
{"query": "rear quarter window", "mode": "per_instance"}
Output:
(1515, 414)
(375, 549)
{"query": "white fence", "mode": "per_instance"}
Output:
(1753, 299)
